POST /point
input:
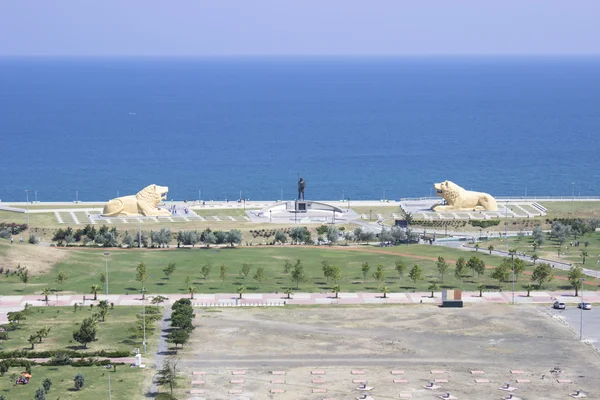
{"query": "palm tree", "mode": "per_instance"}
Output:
(584, 254)
(46, 292)
(481, 287)
(240, 290)
(529, 287)
(490, 248)
(191, 291)
(477, 247)
(432, 288)
(336, 289)
(385, 290)
(95, 289)
(288, 292)
(534, 257)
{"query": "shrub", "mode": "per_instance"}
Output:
(165, 396)
(33, 239)
(78, 381)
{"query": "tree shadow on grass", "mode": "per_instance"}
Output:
(131, 289)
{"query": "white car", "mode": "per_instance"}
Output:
(558, 305)
(585, 306)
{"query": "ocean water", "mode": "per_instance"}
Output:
(358, 128)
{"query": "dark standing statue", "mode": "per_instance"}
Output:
(301, 186)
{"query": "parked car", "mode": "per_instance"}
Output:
(585, 306)
(558, 305)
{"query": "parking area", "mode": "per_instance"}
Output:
(591, 321)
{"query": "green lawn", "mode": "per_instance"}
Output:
(126, 383)
(221, 212)
(112, 334)
(564, 209)
(83, 268)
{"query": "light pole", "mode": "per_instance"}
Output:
(573, 200)
(370, 215)
(512, 257)
(270, 216)
(139, 230)
(27, 205)
(108, 367)
(144, 316)
(35, 196)
(77, 196)
(597, 270)
(581, 317)
(505, 219)
(106, 254)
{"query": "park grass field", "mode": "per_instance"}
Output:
(112, 334)
(126, 383)
(84, 266)
(564, 209)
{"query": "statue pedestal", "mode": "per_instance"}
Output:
(301, 206)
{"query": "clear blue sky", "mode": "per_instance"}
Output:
(298, 27)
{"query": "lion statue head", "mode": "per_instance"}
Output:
(448, 191)
(152, 194)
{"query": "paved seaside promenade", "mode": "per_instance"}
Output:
(14, 303)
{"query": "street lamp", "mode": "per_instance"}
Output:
(270, 216)
(27, 205)
(597, 270)
(108, 367)
(573, 199)
(512, 257)
(581, 317)
(370, 216)
(106, 254)
(144, 316)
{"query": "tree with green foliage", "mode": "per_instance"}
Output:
(481, 288)
(288, 292)
(575, 276)
(103, 309)
(385, 290)
(501, 273)
(259, 275)
(538, 236)
(86, 332)
(47, 384)
(43, 333)
(442, 267)
(178, 337)
(461, 266)
(245, 270)
(280, 237)
(379, 274)
(209, 238)
(79, 381)
(490, 248)
(432, 288)
(4, 367)
(234, 237)
(46, 292)
(476, 247)
(141, 275)
(24, 276)
(416, 274)
(335, 273)
(400, 269)
(336, 289)
(205, 271)
(518, 266)
(298, 274)
(240, 290)
(542, 273)
(15, 317)
(32, 340)
(326, 268)
(191, 291)
(95, 289)
(529, 287)
(61, 278)
(584, 254)
(223, 272)
(333, 234)
(365, 270)
(40, 394)
(169, 269)
(167, 375)
(534, 258)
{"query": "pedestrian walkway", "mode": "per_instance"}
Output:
(15, 303)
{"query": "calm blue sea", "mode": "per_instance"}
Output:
(359, 128)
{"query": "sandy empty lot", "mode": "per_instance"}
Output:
(376, 340)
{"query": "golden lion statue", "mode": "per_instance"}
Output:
(145, 202)
(459, 199)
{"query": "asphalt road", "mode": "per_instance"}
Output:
(591, 322)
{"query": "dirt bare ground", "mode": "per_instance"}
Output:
(37, 259)
(376, 340)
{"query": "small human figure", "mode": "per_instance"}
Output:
(21, 239)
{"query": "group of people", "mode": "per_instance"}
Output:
(12, 240)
